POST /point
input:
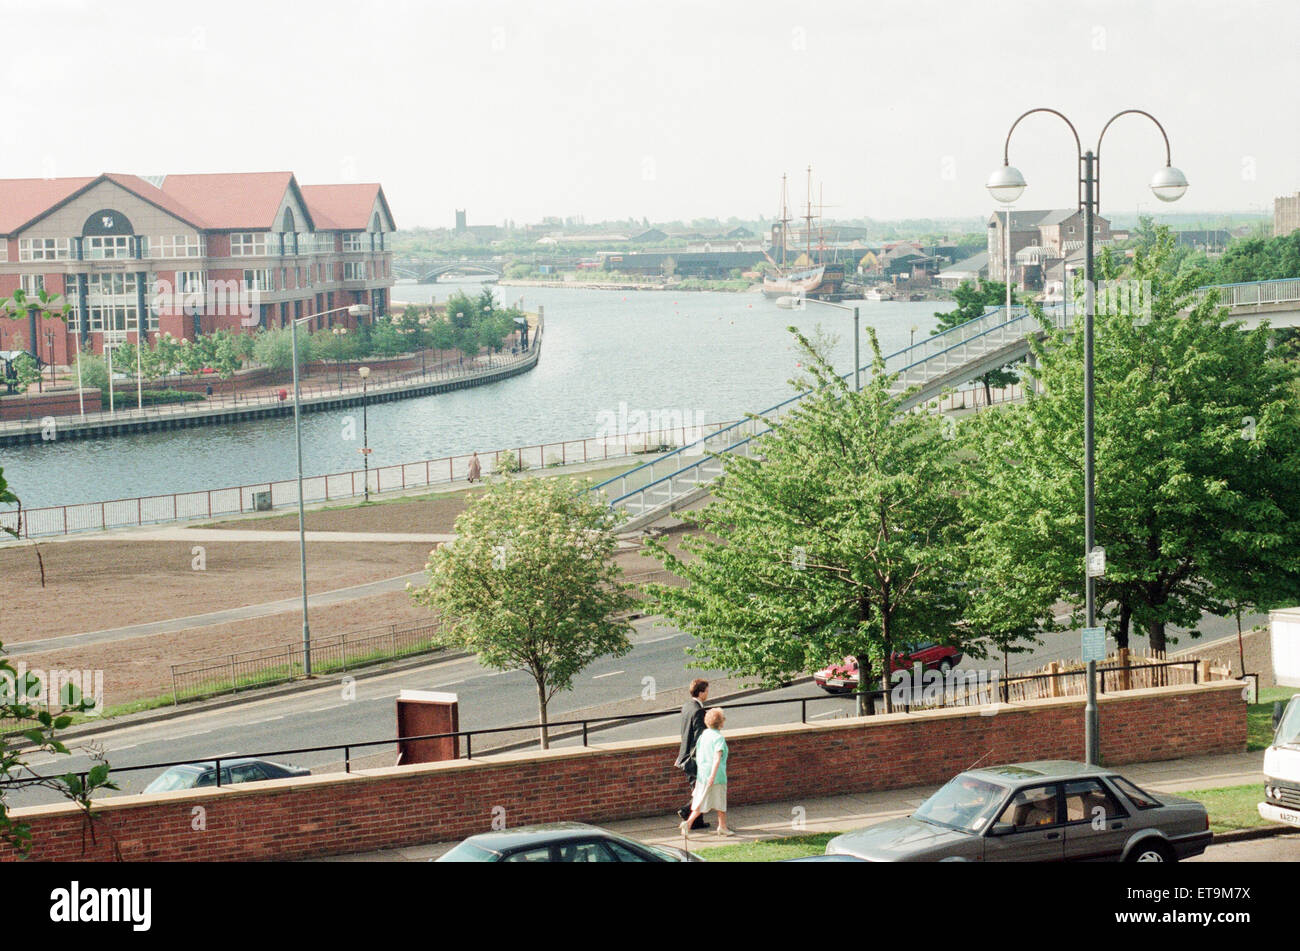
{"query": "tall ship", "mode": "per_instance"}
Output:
(809, 275)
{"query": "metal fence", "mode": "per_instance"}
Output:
(1003, 691)
(236, 500)
(329, 383)
(243, 670)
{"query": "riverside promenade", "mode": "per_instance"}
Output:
(274, 401)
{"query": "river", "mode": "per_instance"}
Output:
(704, 356)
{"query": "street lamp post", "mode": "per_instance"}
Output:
(1006, 185)
(339, 333)
(857, 340)
(365, 429)
(356, 310)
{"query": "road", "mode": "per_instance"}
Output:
(1278, 848)
(651, 677)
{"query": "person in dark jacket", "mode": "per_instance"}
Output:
(692, 725)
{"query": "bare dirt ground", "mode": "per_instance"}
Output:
(432, 515)
(94, 585)
(141, 667)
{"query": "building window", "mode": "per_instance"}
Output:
(190, 282)
(258, 280)
(178, 246)
(4, 250)
(43, 249)
(354, 271)
(102, 247)
(356, 241)
(32, 284)
(248, 244)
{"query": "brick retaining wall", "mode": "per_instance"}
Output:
(400, 806)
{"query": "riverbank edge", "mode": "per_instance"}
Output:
(74, 429)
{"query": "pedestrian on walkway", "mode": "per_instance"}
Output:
(711, 780)
(692, 725)
(475, 468)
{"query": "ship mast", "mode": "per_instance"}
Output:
(808, 217)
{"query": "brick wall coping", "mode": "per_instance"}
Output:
(668, 744)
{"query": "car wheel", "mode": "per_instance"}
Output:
(1151, 852)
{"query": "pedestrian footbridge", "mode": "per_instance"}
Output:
(924, 370)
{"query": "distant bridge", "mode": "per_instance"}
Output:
(428, 272)
(965, 352)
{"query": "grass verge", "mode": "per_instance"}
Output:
(1259, 717)
(770, 850)
(1231, 808)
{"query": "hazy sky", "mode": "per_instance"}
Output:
(659, 109)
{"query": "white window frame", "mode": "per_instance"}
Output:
(118, 244)
(354, 270)
(44, 249)
(178, 246)
(250, 244)
(32, 284)
(355, 241)
(259, 279)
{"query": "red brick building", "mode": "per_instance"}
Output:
(187, 255)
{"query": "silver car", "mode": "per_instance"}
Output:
(1046, 811)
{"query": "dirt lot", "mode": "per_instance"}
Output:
(435, 515)
(94, 585)
(141, 667)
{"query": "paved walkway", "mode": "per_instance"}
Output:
(853, 811)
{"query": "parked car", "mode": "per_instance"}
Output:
(1037, 812)
(843, 677)
(245, 770)
(560, 842)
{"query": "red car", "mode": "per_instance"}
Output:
(843, 677)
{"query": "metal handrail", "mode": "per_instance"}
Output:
(731, 448)
(586, 723)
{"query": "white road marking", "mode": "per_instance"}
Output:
(612, 673)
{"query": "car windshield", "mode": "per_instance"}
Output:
(965, 803)
(178, 777)
(469, 852)
(1288, 730)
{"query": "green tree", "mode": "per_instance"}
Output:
(93, 370)
(973, 301)
(1197, 446)
(530, 583)
(838, 535)
(274, 349)
(25, 370)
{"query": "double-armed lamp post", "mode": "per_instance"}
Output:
(356, 310)
(1006, 185)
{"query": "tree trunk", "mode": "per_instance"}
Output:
(1156, 634)
(988, 392)
(1121, 633)
(865, 707)
(888, 663)
(541, 715)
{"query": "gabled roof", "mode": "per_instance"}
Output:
(344, 207)
(211, 202)
(234, 200)
(973, 264)
(24, 199)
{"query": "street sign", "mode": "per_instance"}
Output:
(1093, 644)
(1097, 562)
